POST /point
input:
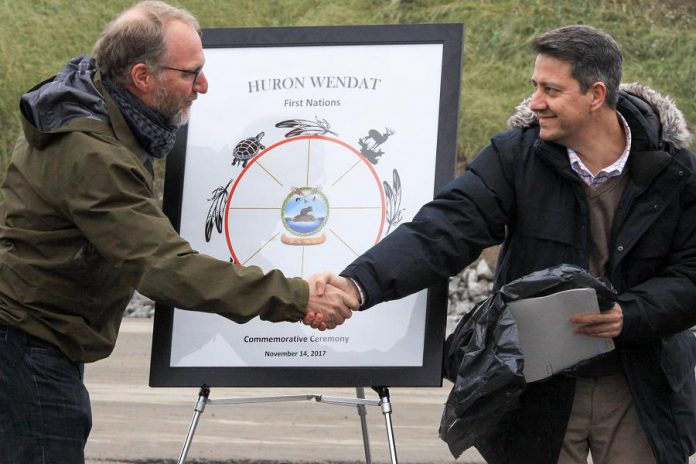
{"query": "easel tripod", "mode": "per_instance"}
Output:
(360, 402)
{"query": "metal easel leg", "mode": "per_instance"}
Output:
(362, 412)
(198, 410)
(383, 393)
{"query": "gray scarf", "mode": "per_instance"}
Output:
(153, 132)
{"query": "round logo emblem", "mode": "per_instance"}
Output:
(305, 211)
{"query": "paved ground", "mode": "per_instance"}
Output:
(134, 423)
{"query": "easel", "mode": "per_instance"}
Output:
(360, 402)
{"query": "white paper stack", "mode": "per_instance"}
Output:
(546, 335)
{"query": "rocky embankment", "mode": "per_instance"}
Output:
(140, 306)
(471, 286)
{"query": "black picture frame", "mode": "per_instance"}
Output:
(429, 373)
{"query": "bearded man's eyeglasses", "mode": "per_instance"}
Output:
(192, 72)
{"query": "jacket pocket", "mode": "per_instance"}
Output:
(678, 359)
(651, 246)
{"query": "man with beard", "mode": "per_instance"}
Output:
(83, 229)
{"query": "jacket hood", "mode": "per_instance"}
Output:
(658, 115)
(52, 104)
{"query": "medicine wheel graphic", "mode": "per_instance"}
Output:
(303, 205)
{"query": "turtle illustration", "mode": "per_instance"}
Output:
(247, 149)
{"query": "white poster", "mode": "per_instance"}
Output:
(300, 158)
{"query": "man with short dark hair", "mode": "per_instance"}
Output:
(596, 175)
(83, 229)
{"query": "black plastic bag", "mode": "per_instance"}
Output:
(483, 358)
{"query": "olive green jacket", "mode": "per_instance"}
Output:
(82, 230)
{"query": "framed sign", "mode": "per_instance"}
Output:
(311, 145)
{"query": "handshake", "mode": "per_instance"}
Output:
(332, 299)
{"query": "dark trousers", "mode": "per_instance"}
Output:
(45, 413)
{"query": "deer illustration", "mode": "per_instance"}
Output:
(369, 145)
(376, 138)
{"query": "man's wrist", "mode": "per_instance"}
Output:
(361, 293)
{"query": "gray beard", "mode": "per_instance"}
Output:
(180, 118)
(177, 116)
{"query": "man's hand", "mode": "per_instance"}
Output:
(331, 301)
(607, 324)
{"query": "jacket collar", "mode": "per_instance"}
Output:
(73, 101)
(643, 165)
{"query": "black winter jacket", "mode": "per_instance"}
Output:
(522, 192)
